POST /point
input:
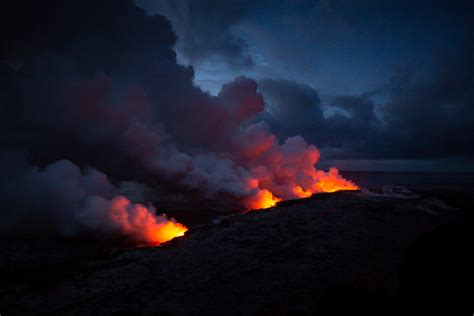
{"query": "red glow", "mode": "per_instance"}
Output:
(142, 224)
(300, 193)
(332, 181)
(264, 199)
(319, 182)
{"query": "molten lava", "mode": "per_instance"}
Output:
(317, 182)
(332, 181)
(166, 231)
(264, 199)
(142, 224)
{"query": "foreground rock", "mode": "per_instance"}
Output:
(281, 260)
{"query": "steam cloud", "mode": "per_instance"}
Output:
(74, 202)
(107, 94)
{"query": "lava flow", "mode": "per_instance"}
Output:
(264, 199)
(142, 224)
(319, 182)
(166, 231)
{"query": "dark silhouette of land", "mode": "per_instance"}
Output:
(381, 252)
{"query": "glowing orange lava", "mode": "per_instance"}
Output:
(166, 231)
(264, 199)
(142, 224)
(319, 182)
(330, 187)
(332, 181)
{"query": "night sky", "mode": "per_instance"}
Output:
(376, 85)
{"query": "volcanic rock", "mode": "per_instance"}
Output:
(293, 258)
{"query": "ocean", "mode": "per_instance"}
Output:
(377, 179)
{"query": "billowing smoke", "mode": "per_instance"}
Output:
(105, 93)
(63, 199)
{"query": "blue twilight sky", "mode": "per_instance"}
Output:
(371, 83)
(336, 47)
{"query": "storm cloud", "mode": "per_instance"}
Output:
(197, 23)
(410, 117)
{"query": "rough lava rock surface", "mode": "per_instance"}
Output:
(262, 262)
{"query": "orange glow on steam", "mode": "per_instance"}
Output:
(332, 181)
(142, 224)
(264, 199)
(330, 186)
(167, 231)
(320, 182)
(300, 193)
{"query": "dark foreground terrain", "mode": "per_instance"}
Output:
(379, 252)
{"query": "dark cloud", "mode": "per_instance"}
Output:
(294, 108)
(118, 27)
(205, 29)
(291, 107)
(433, 117)
(429, 116)
(338, 47)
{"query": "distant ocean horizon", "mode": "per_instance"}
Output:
(375, 179)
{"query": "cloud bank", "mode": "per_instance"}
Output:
(410, 117)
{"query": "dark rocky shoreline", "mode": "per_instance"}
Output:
(330, 253)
